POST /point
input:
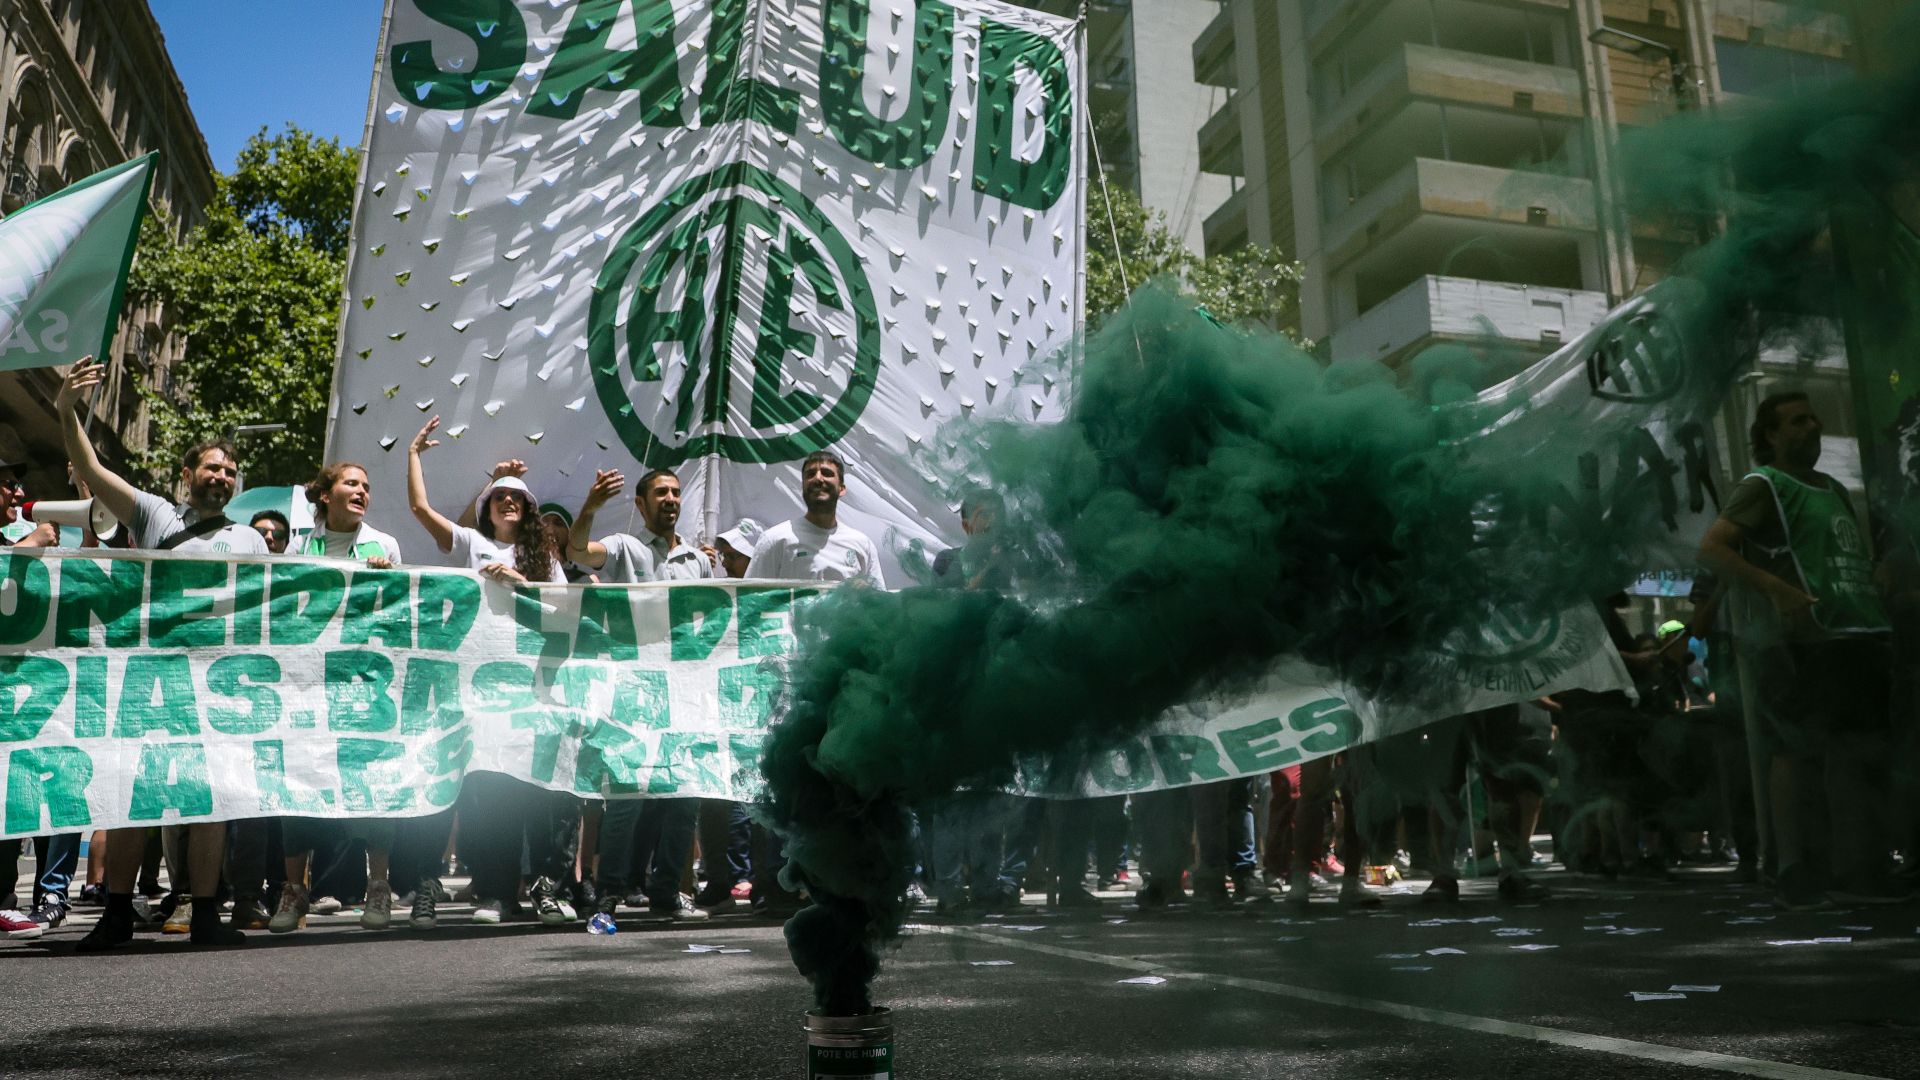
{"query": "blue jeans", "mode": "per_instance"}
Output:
(648, 839)
(1223, 823)
(58, 856)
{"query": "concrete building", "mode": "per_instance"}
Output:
(1439, 166)
(85, 84)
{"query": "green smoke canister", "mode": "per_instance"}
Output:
(850, 1047)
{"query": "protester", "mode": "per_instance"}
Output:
(341, 494)
(726, 829)
(502, 818)
(273, 527)
(650, 837)
(1815, 634)
(208, 472)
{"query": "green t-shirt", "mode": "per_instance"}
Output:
(1765, 504)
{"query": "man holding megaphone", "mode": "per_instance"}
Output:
(209, 473)
(13, 503)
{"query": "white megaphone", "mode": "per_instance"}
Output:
(85, 513)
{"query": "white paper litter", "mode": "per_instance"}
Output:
(1410, 967)
(1143, 980)
(1690, 988)
(1655, 995)
(991, 963)
(1814, 941)
(1445, 951)
(1515, 931)
(704, 948)
(1532, 947)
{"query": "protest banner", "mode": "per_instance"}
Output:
(145, 688)
(63, 267)
(712, 236)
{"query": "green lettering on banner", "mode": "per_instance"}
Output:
(89, 697)
(176, 620)
(1185, 758)
(584, 63)
(683, 751)
(726, 95)
(1253, 749)
(445, 610)
(1039, 183)
(549, 728)
(1139, 772)
(246, 676)
(504, 687)
(745, 748)
(26, 582)
(377, 607)
(575, 683)
(156, 694)
(909, 139)
(608, 760)
(31, 687)
(365, 786)
(172, 776)
(606, 625)
(430, 696)
(640, 699)
(303, 599)
(762, 614)
(54, 777)
(499, 37)
(359, 691)
(270, 781)
(114, 596)
(1329, 725)
(698, 616)
(531, 638)
(249, 603)
(447, 758)
(747, 694)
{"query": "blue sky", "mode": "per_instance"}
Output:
(246, 64)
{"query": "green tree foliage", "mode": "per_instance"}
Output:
(1249, 284)
(256, 292)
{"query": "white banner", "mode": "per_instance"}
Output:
(712, 236)
(63, 267)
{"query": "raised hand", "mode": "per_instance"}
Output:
(85, 374)
(423, 441)
(606, 484)
(512, 467)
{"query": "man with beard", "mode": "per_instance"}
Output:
(1814, 629)
(209, 472)
(816, 546)
(653, 836)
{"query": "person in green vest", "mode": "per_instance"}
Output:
(1810, 622)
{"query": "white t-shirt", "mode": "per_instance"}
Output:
(362, 543)
(155, 519)
(799, 550)
(474, 551)
(633, 558)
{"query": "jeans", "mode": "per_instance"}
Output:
(509, 827)
(1223, 820)
(726, 838)
(58, 858)
(648, 839)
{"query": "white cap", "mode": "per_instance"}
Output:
(509, 483)
(742, 537)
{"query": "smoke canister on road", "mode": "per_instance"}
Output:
(850, 1047)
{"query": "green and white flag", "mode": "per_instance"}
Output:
(63, 267)
(711, 235)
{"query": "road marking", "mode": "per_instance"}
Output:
(1575, 1040)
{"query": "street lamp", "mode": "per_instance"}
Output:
(1649, 50)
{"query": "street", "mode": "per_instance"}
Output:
(1407, 990)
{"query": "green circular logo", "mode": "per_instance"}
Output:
(732, 319)
(1508, 638)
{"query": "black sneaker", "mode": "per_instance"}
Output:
(426, 904)
(546, 903)
(48, 914)
(1444, 890)
(107, 934)
(214, 932)
(678, 908)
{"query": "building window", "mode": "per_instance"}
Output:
(1747, 68)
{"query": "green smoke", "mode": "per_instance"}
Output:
(1217, 500)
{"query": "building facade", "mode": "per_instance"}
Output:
(86, 84)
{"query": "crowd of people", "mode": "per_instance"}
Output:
(1795, 626)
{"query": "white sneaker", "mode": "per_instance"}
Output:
(567, 909)
(181, 921)
(378, 914)
(291, 915)
(326, 905)
(486, 911)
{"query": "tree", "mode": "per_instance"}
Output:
(1249, 284)
(255, 290)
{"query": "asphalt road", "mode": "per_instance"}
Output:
(1260, 991)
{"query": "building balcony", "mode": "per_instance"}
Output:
(1213, 61)
(1527, 319)
(1219, 141)
(1325, 19)
(1455, 77)
(1226, 228)
(1481, 193)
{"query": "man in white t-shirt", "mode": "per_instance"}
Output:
(817, 547)
(648, 836)
(209, 473)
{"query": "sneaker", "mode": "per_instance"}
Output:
(1248, 887)
(742, 890)
(546, 903)
(1077, 896)
(426, 900)
(291, 915)
(1798, 889)
(716, 904)
(679, 909)
(378, 912)
(215, 932)
(1444, 890)
(180, 921)
(1518, 888)
(1299, 889)
(248, 914)
(585, 896)
(917, 895)
(488, 912)
(1355, 894)
(566, 908)
(48, 914)
(107, 934)
(19, 927)
(326, 905)
(93, 895)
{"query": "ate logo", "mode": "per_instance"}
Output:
(1638, 359)
(1846, 535)
(1507, 637)
(734, 319)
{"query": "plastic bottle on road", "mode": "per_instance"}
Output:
(602, 923)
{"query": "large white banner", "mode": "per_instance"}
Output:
(710, 235)
(140, 688)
